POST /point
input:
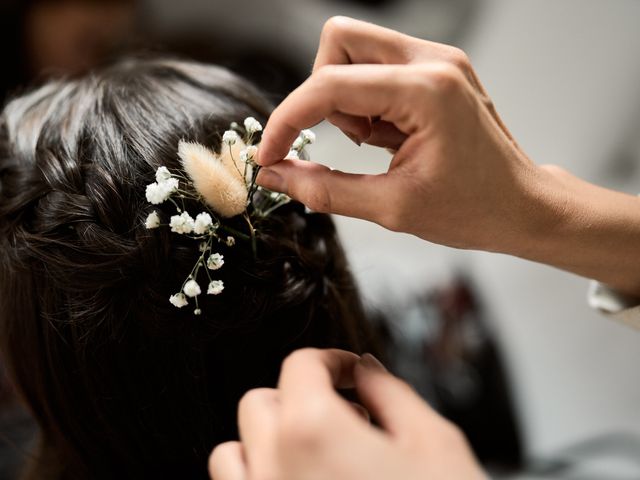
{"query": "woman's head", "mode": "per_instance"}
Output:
(121, 382)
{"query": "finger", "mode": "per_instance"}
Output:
(358, 129)
(391, 402)
(257, 421)
(346, 40)
(358, 90)
(311, 372)
(325, 190)
(226, 462)
(362, 130)
(386, 135)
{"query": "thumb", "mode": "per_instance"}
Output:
(398, 409)
(329, 191)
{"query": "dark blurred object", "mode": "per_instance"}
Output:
(441, 343)
(64, 37)
(270, 43)
(17, 436)
(470, 382)
(17, 432)
(54, 38)
(15, 72)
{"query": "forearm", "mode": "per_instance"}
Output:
(585, 229)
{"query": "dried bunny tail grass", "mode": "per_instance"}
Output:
(217, 181)
(230, 154)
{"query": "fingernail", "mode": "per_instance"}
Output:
(271, 180)
(369, 361)
(353, 138)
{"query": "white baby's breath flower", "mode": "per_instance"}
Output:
(293, 154)
(297, 144)
(170, 185)
(215, 261)
(215, 287)
(162, 174)
(252, 125)
(157, 193)
(191, 288)
(249, 153)
(308, 136)
(233, 126)
(197, 311)
(202, 223)
(230, 137)
(178, 300)
(182, 223)
(230, 241)
(152, 221)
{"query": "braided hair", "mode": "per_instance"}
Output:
(122, 384)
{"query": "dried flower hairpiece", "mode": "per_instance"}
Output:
(225, 184)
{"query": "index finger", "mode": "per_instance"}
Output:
(345, 40)
(363, 90)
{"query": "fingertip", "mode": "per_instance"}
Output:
(271, 180)
(264, 157)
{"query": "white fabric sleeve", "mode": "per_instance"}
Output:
(615, 305)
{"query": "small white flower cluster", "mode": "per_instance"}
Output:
(230, 137)
(204, 228)
(153, 220)
(251, 125)
(225, 183)
(306, 137)
(164, 186)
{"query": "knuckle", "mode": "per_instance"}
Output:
(252, 399)
(297, 357)
(441, 79)
(459, 59)
(334, 27)
(446, 79)
(325, 74)
(450, 435)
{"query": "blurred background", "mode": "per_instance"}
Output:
(543, 386)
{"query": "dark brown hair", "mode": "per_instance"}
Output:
(123, 384)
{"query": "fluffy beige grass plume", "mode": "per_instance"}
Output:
(216, 177)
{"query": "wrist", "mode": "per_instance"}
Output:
(582, 228)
